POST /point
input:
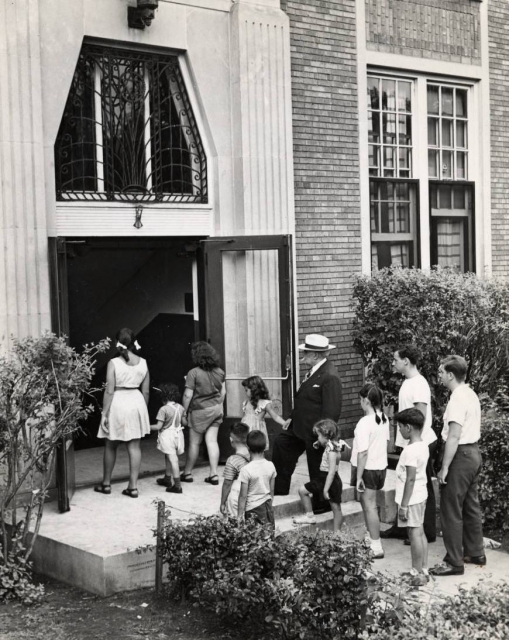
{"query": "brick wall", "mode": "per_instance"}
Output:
(440, 29)
(498, 20)
(326, 159)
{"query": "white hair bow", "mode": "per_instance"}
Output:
(122, 346)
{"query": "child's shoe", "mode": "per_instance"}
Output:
(419, 580)
(174, 489)
(165, 481)
(307, 518)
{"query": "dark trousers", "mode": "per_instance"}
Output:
(286, 451)
(264, 513)
(430, 514)
(460, 511)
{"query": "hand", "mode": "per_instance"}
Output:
(287, 424)
(361, 487)
(442, 475)
(184, 420)
(326, 494)
(403, 513)
(104, 423)
(224, 509)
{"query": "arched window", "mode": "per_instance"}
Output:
(128, 132)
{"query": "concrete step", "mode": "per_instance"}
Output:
(352, 513)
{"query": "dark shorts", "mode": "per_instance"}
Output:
(373, 478)
(264, 513)
(315, 487)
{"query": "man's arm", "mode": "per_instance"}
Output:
(451, 446)
(422, 406)
(332, 398)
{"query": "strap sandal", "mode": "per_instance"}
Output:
(103, 488)
(132, 493)
(212, 479)
(186, 477)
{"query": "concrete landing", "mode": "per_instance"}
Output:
(94, 546)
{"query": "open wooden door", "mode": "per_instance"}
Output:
(65, 475)
(249, 318)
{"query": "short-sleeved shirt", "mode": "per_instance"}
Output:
(465, 409)
(413, 455)
(257, 475)
(335, 447)
(371, 437)
(167, 412)
(233, 466)
(412, 391)
(206, 386)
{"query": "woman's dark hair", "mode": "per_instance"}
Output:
(376, 398)
(258, 389)
(327, 428)
(127, 338)
(169, 392)
(204, 356)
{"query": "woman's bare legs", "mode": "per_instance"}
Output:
(134, 452)
(195, 440)
(110, 457)
(368, 501)
(212, 449)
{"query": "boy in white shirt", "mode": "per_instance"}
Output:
(257, 481)
(411, 491)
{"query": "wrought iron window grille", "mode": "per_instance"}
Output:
(128, 132)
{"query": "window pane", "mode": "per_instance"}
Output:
(389, 128)
(404, 96)
(433, 197)
(374, 126)
(447, 167)
(445, 200)
(402, 191)
(373, 153)
(459, 197)
(450, 244)
(461, 103)
(447, 132)
(400, 255)
(461, 165)
(433, 100)
(389, 158)
(384, 218)
(461, 134)
(403, 218)
(388, 95)
(374, 218)
(432, 164)
(374, 93)
(405, 129)
(433, 132)
(447, 102)
(404, 158)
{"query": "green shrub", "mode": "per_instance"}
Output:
(311, 586)
(481, 613)
(16, 581)
(440, 312)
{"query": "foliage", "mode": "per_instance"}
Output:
(309, 586)
(481, 613)
(42, 387)
(440, 312)
(16, 581)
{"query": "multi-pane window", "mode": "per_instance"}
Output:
(393, 223)
(390, 127)
(447, 132)
(128, 131)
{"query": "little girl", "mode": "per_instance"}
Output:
(328, 485)
(257, 406)
(171, 437)
(369, 460)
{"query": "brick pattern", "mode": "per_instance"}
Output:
(439, 29)
(498, 20)
(326, 164)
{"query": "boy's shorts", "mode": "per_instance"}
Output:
(263, 513)
(316, 486)
(373, 478)
(415, 515)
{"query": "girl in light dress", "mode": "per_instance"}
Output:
(258, 405)
(124, 415)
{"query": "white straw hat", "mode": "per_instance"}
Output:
(316, 342)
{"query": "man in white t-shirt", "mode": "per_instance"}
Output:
(460, 511)
(415, 393)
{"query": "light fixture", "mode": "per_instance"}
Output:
(142, 14)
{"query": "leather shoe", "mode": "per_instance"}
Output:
(445, 569)
(480, 560)
(394, 532)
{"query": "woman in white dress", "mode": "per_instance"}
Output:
(124, 416)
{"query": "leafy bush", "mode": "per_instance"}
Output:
(16, 582)
(481, 613)
(440, 312)
(311, 586)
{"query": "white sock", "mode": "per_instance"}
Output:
(376, 545)
(310, 515)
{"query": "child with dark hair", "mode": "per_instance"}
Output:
(411, 491)
(257, 483)
(369, 460)
(171, 437)
(258, 405)
(231, 483)
(328, 485)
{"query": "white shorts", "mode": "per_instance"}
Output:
(415, 515)
(171, 441)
